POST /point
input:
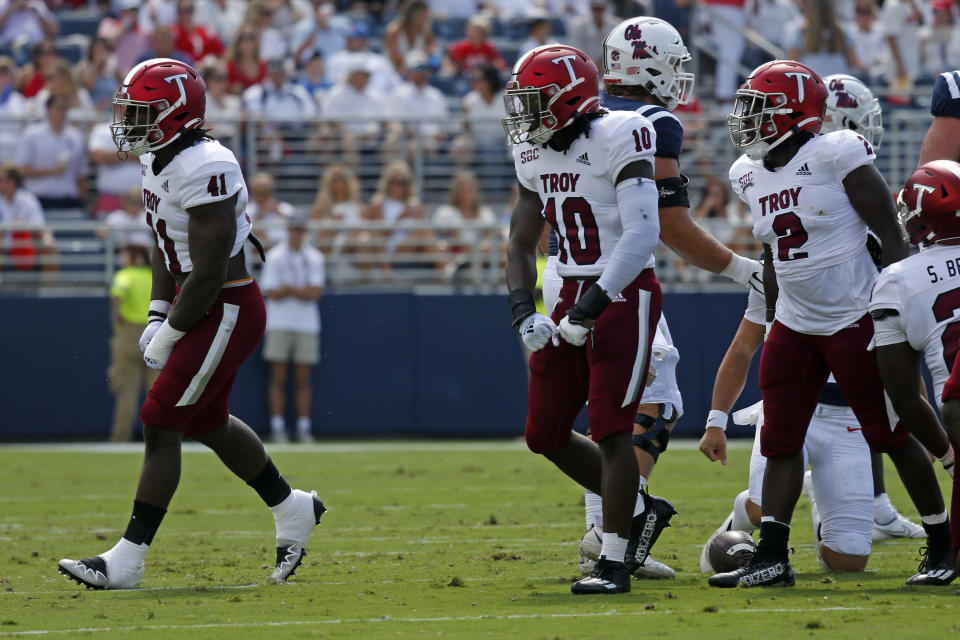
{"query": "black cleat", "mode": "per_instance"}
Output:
(646, 528)
(759, 573)
(607, 577)
(935, 568)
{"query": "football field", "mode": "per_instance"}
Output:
(422, 539)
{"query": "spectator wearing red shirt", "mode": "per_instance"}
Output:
(34, 76)
(475, 49)
(192, 38)
(245, 68)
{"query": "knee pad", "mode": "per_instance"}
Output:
(656, 429)
(846, 542)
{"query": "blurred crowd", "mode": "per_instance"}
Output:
(356, 65)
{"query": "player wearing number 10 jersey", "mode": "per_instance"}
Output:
(589, 173)
(812, 198)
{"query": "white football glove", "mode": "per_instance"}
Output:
(148, 333)
(162, 343)
(575, 334)
(745, 271)
(537, 330)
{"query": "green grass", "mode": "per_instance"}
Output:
(422, 540)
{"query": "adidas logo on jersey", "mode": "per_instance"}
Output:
(804, 170)
(619, 298)
(165, 186)
(583, 159)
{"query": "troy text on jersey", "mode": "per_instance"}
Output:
(559, 182)
(781, 201)
(150, 200)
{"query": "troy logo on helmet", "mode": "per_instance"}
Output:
(922, 189)
(799, 78)
(566, 61)
(178, 78)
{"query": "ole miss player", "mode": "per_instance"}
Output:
(589, 173)
(207, 317)
(812, 198)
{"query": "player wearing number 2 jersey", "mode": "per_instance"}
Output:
(812, 198)
(207, 316)
(589, 173)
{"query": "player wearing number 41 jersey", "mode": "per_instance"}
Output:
(206, 317)
(589, 173)
(812, 198)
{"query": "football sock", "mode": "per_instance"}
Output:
(593, 506)
(277, 425)
(614, 547)
(144, 523)
(937, 528)
(640, 505)
(270, 485)
(741, 519)
(304, 427)
(127, 552)
(883, 511)
(773, 538)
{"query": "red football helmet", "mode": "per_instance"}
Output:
(779, 99)
(158, 100)
(930, 204)
(549, 86)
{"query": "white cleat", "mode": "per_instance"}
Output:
(295, 518)
(705, 566)
(654, 570)
(899, 527)
(592, 542)
(119, 568)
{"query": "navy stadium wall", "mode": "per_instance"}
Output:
(393, 365)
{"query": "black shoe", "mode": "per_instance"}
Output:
(646, 528)
(935, 568)
(759, 573)
(607, 577)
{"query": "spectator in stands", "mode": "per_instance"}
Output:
(383, 77)
(588, 32)
(154, 14)
(194, 38)
(26, 22)
(722, 22)
(464, 206)
(483, 109)
(269, 215)
(52, 157)
(314, 78)
(224, 110)
(293, 278)
(867, 41)
(416, 99)
(278, 97)
(902, 20)
(260, 16)
(129, 41)
(33, 76)
(354, 98)
(13, 107)
(163, 44)
(245, 66)
(116, 173)
(98, 73)
(338, 200)
(411, 30)
(127, 223)
(819, 41)
(222, 16)
(128, 376)
(324, 32)
(540, 32)
(476, 50)
(396, 203)
(769, 18)
(62, 83)
(29, 244)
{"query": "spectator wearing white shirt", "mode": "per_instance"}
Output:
(156, 13)
(222, 16)
(26, 21)
(324, 32)
(867, 41)
(127, 224)
(116, 173)
(383, 77)
(279, 97)
(293, 281)
(901, 24)
(465, 206)
(13, 108)
(224, 110)
(418, 100)
(483, 109)
(260, 16)
(27, 243)
(588, 32)
(268, 214)
(540, 33)
(52, 158)
(354, 98)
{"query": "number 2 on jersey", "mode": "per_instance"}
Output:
(217, 189)
(790, 235)
(943, 308)
(583, 239)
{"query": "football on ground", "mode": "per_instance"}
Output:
(731, 550)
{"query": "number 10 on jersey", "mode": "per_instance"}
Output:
(577, 229)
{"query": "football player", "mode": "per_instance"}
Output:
(913, 306)
(207, 316)
(812, 198)
(589, 173)
(839, 486)
(850, 105)
(942, 141)
(643, 71)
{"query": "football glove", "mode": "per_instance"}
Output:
(148, 332)
(537, 330)
(588, 307)
(745, 271)
(162, 343)
(156, 315)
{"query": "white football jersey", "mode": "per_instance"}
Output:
(924, 289)
(577, 187)
(204, 173)
(818, 240)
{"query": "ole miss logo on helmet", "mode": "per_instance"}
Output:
(640, 49)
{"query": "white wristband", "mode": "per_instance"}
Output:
(739, 269)
(717, 419)
(160, 306)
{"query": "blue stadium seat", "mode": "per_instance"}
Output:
(79, 22)
(73, 51)
(450, 28)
